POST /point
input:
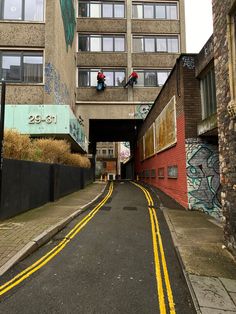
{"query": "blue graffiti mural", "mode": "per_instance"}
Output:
(141, 111)
(54, 86)
(203, 178)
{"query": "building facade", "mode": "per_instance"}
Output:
(224, 19)
(178, 144)
(37, 61)
(120, 37)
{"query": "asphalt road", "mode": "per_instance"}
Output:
(110, 265)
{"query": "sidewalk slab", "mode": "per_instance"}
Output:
(24, 233)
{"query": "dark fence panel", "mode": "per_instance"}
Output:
(27, 185)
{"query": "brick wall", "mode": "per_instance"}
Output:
(226, 125)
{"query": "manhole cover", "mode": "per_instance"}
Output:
(130, 208)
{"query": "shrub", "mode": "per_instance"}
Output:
(49, 150)
(17, 146)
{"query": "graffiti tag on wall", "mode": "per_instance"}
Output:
(68, 16)
(54, 86)
(188, 62)
(142, 111)
(203, 178)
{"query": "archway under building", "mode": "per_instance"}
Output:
(115, 131)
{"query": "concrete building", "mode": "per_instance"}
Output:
(107, 160)
(224, 19)
(119, 37)
(38, 62)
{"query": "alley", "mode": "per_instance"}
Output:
(111, 259)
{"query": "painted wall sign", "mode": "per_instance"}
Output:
(165, 126)
(149, 142)
(45, 120)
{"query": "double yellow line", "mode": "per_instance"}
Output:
(51, 254)
(159, 258)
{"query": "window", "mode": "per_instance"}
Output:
(110, 152)
(101, 9)
(22, 66)
(22, 10)
(114, 78)
(161, 10)
(161, 173)
(152, 78)
(104, 151)
(99, 43)
(172, 172)
(169, 44)
(208, 94)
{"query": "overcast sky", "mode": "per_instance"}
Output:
(198, 15)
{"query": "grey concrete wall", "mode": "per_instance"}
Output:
(60, 62)
(101, 25)
(154, 60)
(155, 26)
(103, 59)
(205, 56)
(24, 94)
(15, 34)
(110, 94)
(147, 94)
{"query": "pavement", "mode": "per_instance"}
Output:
(209, 269)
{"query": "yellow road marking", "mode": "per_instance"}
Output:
(157, 235)
(47, 257)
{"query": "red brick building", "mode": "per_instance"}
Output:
(177, 147)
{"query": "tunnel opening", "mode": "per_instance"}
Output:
(112, 143)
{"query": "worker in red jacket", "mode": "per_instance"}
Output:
(132, 79)
(101, 80)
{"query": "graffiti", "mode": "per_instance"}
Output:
(188, 62)
(203, 178)
(209, 47)
(53, 85)
(142, 111)
(68, 16)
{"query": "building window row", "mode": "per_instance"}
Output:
(21, 66)
(101, 9)
(117, 78)
(152, 78)
(107, 43)
(156, 44)
(168, 11)
(88, 77)
(22, 10)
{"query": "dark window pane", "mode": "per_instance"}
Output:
(119, 44)
(160, 11)
(84, 43)
(150, 79)
(137, 11)
(108, 44)
(148, 11)
(119, 10)
(138, 44)
(149, 44)
(11, 67)
(83, 78)
(83, 9)
(107, 10)
(12, 10)
(119, 78)
(34, 10)
(33, 69)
